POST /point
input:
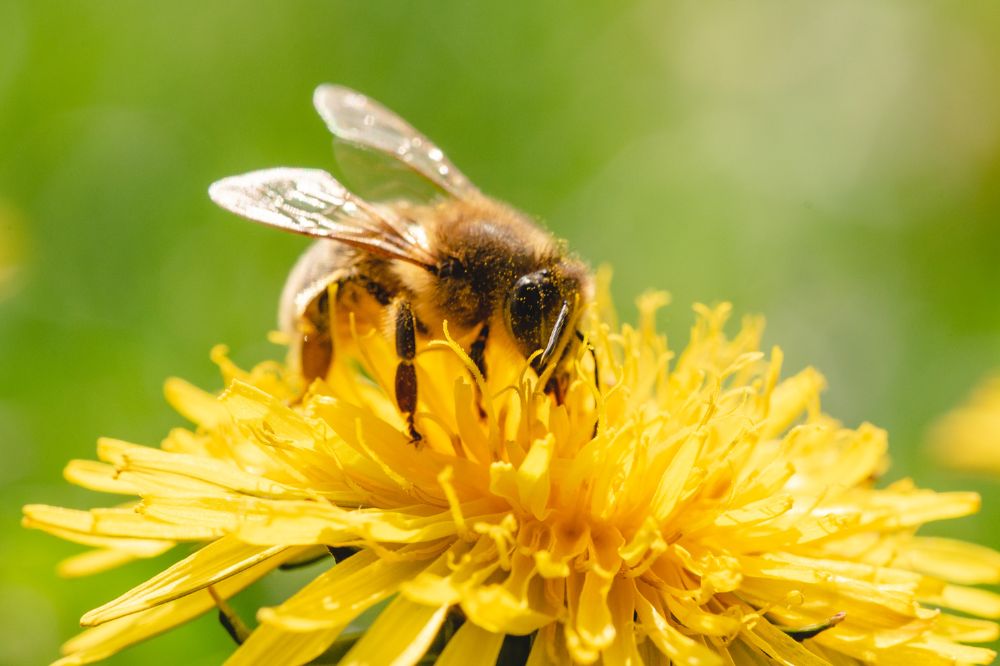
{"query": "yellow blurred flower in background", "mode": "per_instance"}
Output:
(969, 436)
(696, 509)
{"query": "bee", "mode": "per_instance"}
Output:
(486, 269)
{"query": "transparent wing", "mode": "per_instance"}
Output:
(354, 118)
(311, 202)
(377, 177)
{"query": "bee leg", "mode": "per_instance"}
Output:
(406, 373)
(477, 352)
(554, 387)
(316, 354)
(558, 382)
(478, 349)
(228, 618)
(341, 553)
(377, 291)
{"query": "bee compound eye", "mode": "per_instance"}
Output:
(533, 293)
(531, 304)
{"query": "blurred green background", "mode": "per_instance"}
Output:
(833, 166)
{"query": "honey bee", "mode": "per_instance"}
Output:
(480, 265)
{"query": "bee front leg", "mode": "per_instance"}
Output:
(559, 380)
(477, 351)
(406, 373)
(228, 618)
(315, 328)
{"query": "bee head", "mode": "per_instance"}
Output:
(540, 312)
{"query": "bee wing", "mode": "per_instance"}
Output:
(358, 120)
(311, 202)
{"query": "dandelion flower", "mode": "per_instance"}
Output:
(696, 509)
(969, 436)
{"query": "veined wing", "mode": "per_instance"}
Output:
(358, 120)
(311, 202)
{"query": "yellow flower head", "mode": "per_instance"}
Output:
(695, 509)
(969, 436)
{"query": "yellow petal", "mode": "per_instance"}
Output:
(299, 522)
(950, 559)
(97, 476)
(694, 619)
(741, 654)
(594, 623)
(533, 482)
(215, 562)
(591, 616)
(790, 398)
(621, 605)
(194, 404)
(548, 648)
(118, 523)
(469, 427)
(471, 646)
(399, 636)
(755, 512)
(967, 599)
(672, 484)
(343, 592)
(203, 476)
(135, 547)
(96, 561)
(779, 646)
(103, 641)
(268, 644)
(496, 609)
(676, 646)
(966, 629)
(303, 627)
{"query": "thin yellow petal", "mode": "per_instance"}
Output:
(496, 609)
(548, 648)
(967, 599)
(779, 646)
(194, 404)
(950, 559)
(676, 646)
(116, 523)
(621, 604)
(101, 642)
(303, 627)
(790, 398)
(204, 476)
(97, 476)
(135, 547)
(966, 629)
(298, 522)
(213, 563)
(399, 636)
(533, 482)
(471, 646)
(96, 561)
(337, 596)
